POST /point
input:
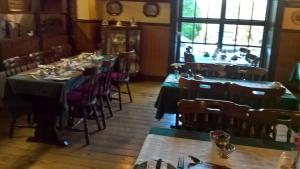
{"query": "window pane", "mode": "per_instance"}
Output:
(257, 33)
(208, 8)
(229, 34)
(200, 49)
(232, 9)
(255, 51)
(200, 31)
(212, 33)
(187, 30)
(206, 33)
(246, 9)
(188, 9)
(243, 34)
(259, 11)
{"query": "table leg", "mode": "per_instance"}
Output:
(45, 115)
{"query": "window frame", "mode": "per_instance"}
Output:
(222, 21)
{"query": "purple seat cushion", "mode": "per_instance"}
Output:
(75, 97)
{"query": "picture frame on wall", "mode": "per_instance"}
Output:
(291, 18)
(151, 9)
(114, 7)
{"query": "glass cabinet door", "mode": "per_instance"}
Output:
(116, 41)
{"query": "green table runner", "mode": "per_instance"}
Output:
(169, 94)
(262, 143)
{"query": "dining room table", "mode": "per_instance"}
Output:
(169, 94)
(43, 91)
(170, 145)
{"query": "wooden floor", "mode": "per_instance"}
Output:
(116, 147)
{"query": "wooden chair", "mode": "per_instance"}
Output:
(212, 90)
(194, 114)
(194, 68)
(188, 57)
(214, 70)
(105, 84)
(82, 103)
(122, 75)
(189, 88)
(252, 59)
(236, 119)
(62, 51)
(255, 97)
(244, 52)
(232, 72)
(240, 94)
(256, 74)
(265, 121)
(16, 65)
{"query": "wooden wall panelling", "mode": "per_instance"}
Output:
(288, 55)
(85, 35)
(155, 50)
(54, 40)
(16, 47)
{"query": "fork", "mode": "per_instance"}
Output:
(180, 164)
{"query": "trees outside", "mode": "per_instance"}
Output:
(190, 9)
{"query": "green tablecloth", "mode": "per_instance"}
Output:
(262, 143)
(169, 94)
(295, 75)
(20, 88)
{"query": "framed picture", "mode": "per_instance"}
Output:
(291, 18)
(114, 7)
(151, 9)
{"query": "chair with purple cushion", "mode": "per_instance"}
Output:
(122, 76)
(82, 103)
(105, 84)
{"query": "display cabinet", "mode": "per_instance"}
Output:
(117, 39)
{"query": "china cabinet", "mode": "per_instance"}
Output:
(117, 39)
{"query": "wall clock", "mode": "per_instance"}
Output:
(151, 9)
(114, 7)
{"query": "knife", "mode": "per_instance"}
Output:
(158, 164)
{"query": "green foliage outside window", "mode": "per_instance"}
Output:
(188, 28)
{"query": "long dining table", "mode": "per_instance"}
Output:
(250, 153)
(46, 96)
(169, 94)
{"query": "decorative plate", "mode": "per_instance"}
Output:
(114, 7)
(151, 9)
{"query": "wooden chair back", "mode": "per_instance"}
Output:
(237, 119)
(125, 61)
(232, 72)
(215, 70)
(244, 52)
(240, 94)
(212, 90)
(189, 88)
(62, 51)
(105, 77)
(17, 65)
(265, 122)
(188, 57)
(194, 68)
(252, 59)
(194, 115)
(256, 74)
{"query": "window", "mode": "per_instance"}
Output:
(227, 25)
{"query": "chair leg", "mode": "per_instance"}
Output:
(120, 97)
(108, 105)
(103, 119)
(95, 114)
(86, 130)
(129, 92)
(12, 126)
